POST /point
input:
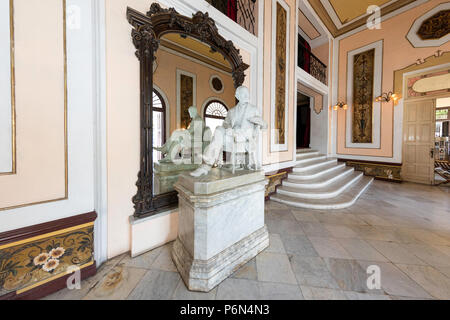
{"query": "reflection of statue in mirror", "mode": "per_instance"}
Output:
(183, 144)
(239, 134)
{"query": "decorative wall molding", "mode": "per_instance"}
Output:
(279, 140)
(7, 90)
(422, 41)
(213, 84)
(35, 256)
(378, 76)
(438, 59)
(13, 111)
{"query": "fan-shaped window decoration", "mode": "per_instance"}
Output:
(215, 114)
(159, 124)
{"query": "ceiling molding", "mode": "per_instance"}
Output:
(325, 16)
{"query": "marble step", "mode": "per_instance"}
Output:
(330, 191)
(314, 164)
(344, 200)
(304, 155)
(320, 182)
(316, 173)
(299, 151)
(310, 158)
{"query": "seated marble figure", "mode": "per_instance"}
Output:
(240, 130)
(186, 146)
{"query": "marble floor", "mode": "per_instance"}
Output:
(404, 229)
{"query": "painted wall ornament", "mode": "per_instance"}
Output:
(435, 27)
(363, 84)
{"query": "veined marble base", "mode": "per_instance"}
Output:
(221, 225)
(166, 174)
(205, 275)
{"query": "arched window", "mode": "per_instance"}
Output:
(159, 124)
(215, 114)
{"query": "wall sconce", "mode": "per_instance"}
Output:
(388, 97)
(341, 105)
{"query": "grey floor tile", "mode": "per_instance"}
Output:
(164, 260)
(182, 293)
(341, 231)
(156, 285)
(278, 291)
(329, 248)
(143, 261)
(349, 275)
(433, 281)
(248, 271)
(274, 267)
(305, 216)
(396, 283)
(312, 272)
(276, 244)
(315, 229)
(279, 226)
(366, 296)
(238, 289)
(361, 250)
(299, 245)
(312, 293)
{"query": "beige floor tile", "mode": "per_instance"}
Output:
(341, 231)
(278, 291)
(276, 244)
(433, 281)
(359, 249)
(182, 293)
(429, 254)
(248, 271)
(329, 248)
(395, 252)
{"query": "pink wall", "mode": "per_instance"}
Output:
(398, 53)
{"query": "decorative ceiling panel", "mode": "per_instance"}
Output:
(343, 16)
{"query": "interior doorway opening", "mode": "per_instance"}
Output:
(442, 142)
(303, 121)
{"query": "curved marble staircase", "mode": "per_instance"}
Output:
(321, 183)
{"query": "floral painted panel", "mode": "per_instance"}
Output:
(281, 72)
(26, 264)
(363, 84)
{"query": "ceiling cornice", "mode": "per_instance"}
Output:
(323, 14)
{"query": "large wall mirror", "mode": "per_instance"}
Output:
(178, 57)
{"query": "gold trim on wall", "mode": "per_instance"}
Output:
(13, 85)
(13, 88)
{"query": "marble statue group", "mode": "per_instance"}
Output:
(238, 135)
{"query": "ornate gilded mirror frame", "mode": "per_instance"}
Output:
(146, 34)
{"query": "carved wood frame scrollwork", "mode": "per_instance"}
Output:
(146, 34)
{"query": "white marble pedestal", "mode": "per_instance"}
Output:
(221, 225)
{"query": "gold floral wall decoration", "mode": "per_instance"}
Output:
(26, 264)
(363, 84)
